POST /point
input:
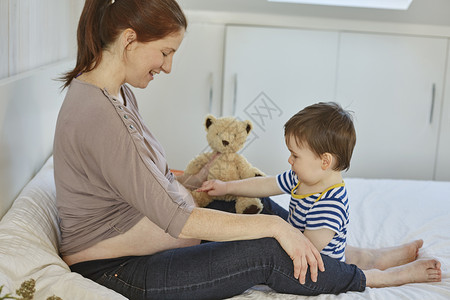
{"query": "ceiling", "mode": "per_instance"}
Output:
(427, 12)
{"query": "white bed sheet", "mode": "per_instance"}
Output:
(382, 213)
(386, 213)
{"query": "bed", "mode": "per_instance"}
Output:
(383, 212)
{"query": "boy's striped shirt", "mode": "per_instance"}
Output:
(328, 209)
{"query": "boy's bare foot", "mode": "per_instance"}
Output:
(423, 270)
(384, 258)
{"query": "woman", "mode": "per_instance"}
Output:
(126, 222)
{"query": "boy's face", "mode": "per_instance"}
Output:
(305, 163)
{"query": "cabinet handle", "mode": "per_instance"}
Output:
(235, 94)
(211, 87)
(433, 96)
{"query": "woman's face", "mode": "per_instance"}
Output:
(144, 60)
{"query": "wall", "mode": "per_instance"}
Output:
(313, 22)
(35, 33)
(346, 25)
(423, 12)
(37, 45)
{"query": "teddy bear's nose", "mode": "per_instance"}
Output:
(225, 143)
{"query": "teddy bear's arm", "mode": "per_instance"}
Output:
(196, 164)
(246, 170)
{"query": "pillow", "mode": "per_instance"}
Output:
(29, 238)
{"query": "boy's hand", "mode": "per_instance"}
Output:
(214, 187)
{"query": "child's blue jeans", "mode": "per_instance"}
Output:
(217, 270)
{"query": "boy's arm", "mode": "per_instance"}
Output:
(250, 187)
(320, 237)
(328, 219)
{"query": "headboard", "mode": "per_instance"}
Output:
(29, 106)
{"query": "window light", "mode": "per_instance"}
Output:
(383, 4)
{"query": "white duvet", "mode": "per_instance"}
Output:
(382, 213)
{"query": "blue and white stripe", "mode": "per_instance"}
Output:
(328, 209)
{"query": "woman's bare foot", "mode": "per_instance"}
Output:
(423, 270)
(384, 258)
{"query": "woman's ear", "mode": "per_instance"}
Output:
(128, 37)
(327, 160)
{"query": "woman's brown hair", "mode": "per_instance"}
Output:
(324, 127)
(102, 21)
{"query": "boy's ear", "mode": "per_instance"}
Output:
(327, 160)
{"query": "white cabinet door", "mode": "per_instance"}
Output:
(174, 106)
(394, 85)
(443, 156)
(269, 75)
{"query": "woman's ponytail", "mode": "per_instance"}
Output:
(89, 41)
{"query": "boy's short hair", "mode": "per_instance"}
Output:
(324, 127)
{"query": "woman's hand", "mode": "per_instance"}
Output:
(301, 251)
(193, 182)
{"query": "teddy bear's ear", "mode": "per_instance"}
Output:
(249, 126)
(209, 120)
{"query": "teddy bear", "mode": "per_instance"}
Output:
(226, 136)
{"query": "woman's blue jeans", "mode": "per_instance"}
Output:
(217, 270)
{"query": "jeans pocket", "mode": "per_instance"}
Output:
(116, 272)
(124, 281)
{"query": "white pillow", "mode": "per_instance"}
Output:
(29, 238)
